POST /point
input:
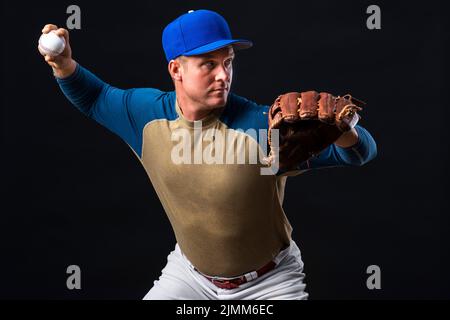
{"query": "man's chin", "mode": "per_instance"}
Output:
(218, 102)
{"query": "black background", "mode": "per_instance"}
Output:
(75, 194)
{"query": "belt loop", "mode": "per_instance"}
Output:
(282, 254)
(277, 259)
(251, 275)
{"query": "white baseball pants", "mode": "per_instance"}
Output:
(180, 281)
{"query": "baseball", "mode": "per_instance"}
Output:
(51, 44)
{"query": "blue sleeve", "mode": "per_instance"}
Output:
(359, 154)
(248, 116)
(124, 112)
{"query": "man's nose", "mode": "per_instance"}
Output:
(223, 74)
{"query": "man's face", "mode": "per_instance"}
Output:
(206, 78)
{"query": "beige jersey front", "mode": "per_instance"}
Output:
(227, 217)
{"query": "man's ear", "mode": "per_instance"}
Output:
(174, 68)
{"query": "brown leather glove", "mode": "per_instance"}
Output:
(308, 122)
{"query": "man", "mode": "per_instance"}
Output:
(233, 238)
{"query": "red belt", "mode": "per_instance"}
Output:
(236, 282)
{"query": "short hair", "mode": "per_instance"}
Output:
(181, 59)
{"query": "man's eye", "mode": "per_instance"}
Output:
(209, 64)
(228, 62)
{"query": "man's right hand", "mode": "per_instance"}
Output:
(63, 65)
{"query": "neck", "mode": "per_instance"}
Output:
(193, 115)
(190, 110)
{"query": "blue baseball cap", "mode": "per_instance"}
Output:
(198, 32)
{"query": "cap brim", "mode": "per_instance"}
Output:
(238, 44)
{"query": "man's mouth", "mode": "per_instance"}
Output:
(221, 89)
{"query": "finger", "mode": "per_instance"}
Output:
(326, 108)
(289, 104)
(63, 33)
(53, 65)
(308, 106)
(49, 27)
(49, 58)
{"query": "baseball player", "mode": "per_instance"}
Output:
(233, 238)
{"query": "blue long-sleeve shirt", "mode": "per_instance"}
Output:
(212, 203)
